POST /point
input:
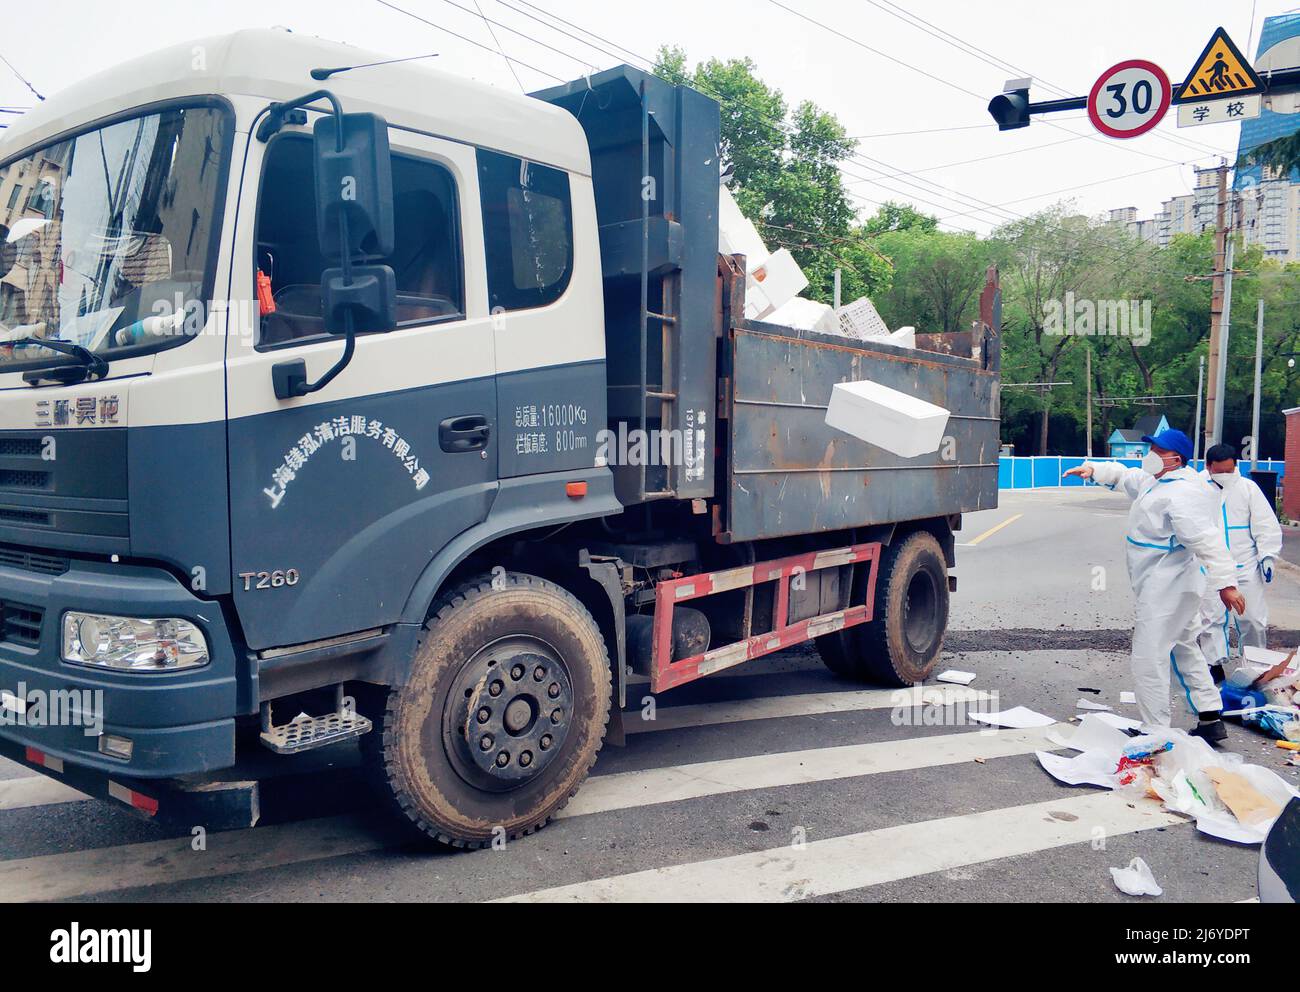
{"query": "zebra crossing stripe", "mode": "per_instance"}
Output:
(857, 861)
(654, 786)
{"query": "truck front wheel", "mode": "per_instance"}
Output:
(502, 717)
(901, 646)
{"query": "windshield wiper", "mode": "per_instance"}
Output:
(89, 365)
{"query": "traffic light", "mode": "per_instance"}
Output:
(1011, 109)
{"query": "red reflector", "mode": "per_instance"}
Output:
(576, 490)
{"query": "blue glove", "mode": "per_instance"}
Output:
(1266, 566)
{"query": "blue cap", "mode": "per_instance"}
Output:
(1175, 441)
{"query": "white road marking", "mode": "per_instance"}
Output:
(811, 704)
(856, 861)
(36, 790)
(626, 790)
(110, 869)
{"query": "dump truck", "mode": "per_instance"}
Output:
(343, 400)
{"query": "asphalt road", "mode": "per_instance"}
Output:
(776, 781)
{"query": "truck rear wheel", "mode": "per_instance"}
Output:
(502, 717)
(901, 646)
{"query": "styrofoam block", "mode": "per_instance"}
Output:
(780, 279)
(904, 337)
(861, 320)
(736, 235)
(901, 424)
(806, 315)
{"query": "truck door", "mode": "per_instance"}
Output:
(340, 499)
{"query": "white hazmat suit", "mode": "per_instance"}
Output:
(1170, 526)
(1250, 531)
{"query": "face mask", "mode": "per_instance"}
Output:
(1227, 482)
(1153, 464)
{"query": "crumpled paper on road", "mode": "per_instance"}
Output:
(1184, 778)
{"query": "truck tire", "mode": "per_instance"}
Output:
(502, 717)
(901, 646)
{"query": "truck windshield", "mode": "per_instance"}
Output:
(107, 239)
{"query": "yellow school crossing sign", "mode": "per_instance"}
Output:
(1221, 71)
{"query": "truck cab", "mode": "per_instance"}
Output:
(307, 374)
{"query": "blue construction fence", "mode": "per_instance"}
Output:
(1049, 473)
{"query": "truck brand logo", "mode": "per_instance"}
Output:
(331, 430)
(80, 411)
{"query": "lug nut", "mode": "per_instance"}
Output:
(496, 688)
(554, 690)
(525, 759)
(487, 742)
(484, 715)
(503, 759)
(517, 672)
(547, 741)
(557, 717)
(539, 674)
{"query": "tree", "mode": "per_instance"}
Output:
(785, 173)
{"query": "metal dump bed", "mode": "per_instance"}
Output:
(788, 473)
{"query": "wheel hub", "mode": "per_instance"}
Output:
(507, 715)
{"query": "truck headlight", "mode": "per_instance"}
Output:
(130, 645)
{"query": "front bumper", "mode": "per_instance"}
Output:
(180, 723)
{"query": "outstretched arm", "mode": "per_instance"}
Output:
(1115, 477)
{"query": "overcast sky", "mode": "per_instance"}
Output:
(1069, 44)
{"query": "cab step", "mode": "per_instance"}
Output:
(306, 733)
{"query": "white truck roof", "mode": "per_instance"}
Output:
(275, 64)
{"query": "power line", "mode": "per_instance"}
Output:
(21, 78)
(989, 58)
(778, 125)
(510, 65)
(476, 44)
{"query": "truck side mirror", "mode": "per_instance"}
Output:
(354, 219)
(354, 184)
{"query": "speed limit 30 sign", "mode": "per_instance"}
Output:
(1130, 99)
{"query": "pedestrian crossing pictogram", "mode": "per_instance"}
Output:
(1220, 71)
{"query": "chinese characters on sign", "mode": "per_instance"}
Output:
(544, 429)
(1226, 111)
(83, 411)
(331, 430)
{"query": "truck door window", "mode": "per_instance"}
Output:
(528, 230)
(427, 259)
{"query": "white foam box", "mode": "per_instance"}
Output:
(780, 279)
(900, 424)
(736, 235)
(807, 315)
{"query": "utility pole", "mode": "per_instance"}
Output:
(1259, 384)
(1200, 395)
(1218, 348)
(1089, 367)
(839, 292)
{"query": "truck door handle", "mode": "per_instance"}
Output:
(461, 434)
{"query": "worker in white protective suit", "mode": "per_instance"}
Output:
(1250, 530)
(1171, 535)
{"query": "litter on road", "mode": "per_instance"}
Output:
(957, 678)
(1228, 798)
(1019, 718)
(1084, 704)
(1136, 879)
